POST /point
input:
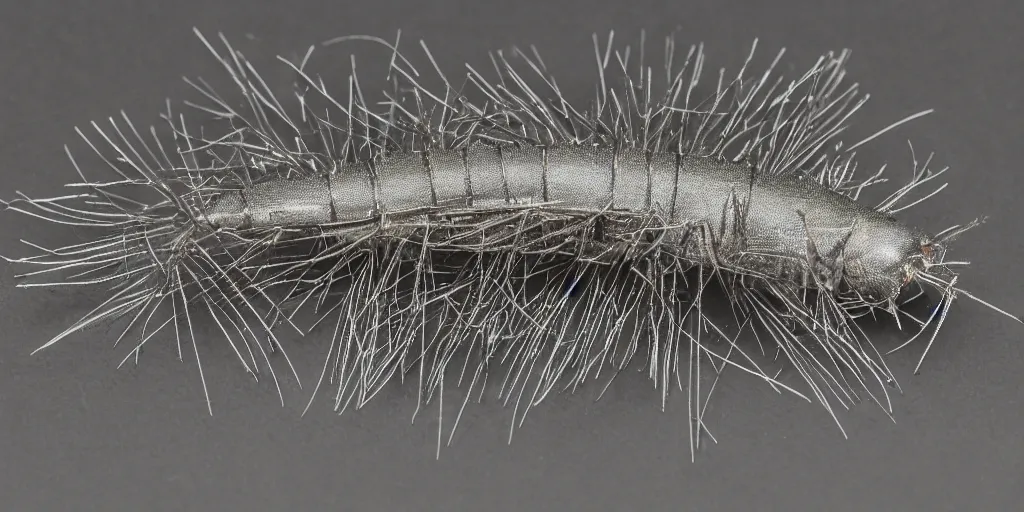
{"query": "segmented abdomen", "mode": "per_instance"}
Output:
(479, 176)
(717, 212)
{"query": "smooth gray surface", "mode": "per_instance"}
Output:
(78, 434)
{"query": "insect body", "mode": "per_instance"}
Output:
(720, 213)
(410, 231)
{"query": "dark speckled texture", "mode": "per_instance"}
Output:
(80, 435)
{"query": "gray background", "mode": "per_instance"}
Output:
(78, 434)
